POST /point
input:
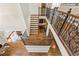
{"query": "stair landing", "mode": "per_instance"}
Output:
(39, 39)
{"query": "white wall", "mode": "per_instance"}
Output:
(7, 33)
(55, 5)
(34, 8)
(75, 9)
(11, 17)
(28, 9)
(2, 37)
(49, 5)
(26, 14)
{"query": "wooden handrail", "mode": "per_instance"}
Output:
(68, 50)
(10, 35)
(75, 16)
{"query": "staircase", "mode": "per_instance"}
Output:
(34, 25)
(37, 38)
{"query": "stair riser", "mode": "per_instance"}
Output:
(33, 28)
(37, 48)
(34, 20)
(34, 31)
(34, 24)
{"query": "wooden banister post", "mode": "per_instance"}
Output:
(64, 21)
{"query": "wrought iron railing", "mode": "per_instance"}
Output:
(68, 31)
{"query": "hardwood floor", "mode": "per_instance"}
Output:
(38, 54)
(54, 50)
(40, 39)
(16, 49)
